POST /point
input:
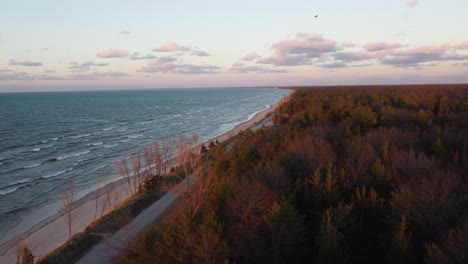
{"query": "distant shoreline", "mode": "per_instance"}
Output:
(46, 230)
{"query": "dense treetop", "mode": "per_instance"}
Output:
(346, 175)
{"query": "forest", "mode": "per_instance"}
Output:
(344, 175)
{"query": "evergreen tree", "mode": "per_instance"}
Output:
(332, 247)
(401, 248)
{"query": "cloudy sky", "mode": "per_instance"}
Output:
(89, 44)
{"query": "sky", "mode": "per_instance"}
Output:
(93, 45)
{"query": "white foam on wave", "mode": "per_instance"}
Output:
(32, 166)
(44, 141)
(13, 186)
(98, 168)
(54, 139)
(124, 140)
(94, 144)
(17, 182)
(66, 156)
(249, 117)
(42, 147)
(80, 136)
(57, 173)
(135, 136)
(8, 190)
(111, 145)
(107, 128)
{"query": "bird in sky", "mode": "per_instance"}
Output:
(316, 16)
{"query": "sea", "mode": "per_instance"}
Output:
(50, 139)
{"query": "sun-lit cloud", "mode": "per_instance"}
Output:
(111, 53)
(415, 56)
(15, 76)
(251, 56)
(334, 65)
(199, 53)
(351, 56)
(85, 66)
(26, 63)
(137, 56)
(255, 69)
(461, 46)
(381, 46)
(166, 66)
(316, 50)
(300, 50)
(361, 65)
(170, 47)
(412, 3)
(348, 44)
(24, 76)
(96, 75)
(463, 64)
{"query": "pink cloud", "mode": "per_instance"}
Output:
(415, 56)
(380, 46)
(26, 63)
(300, 50)
(251, 56)
(162, 65)
(348, 44)
(111, 53)
(463, 45)
(429, 49)
(412, 3)
(170, 47)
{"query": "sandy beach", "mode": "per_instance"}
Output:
(51, 232)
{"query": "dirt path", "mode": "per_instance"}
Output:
(116, 243)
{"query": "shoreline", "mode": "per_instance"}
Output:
(86, 204)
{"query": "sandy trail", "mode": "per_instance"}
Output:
(115, 244)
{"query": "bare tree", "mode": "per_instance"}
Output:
(187, 154)
(196, 184)
(195, 196)
(155, 158)
(106, 202)
(96, 197)
(165, 157)
(135, 162)
(124, 171)
(68, 198)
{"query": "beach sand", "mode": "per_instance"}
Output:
(52, 232)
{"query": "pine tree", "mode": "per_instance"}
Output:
(332, 247)
(401, 249)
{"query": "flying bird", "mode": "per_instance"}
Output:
(316, 16)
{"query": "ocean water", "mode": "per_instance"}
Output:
(50, 139)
